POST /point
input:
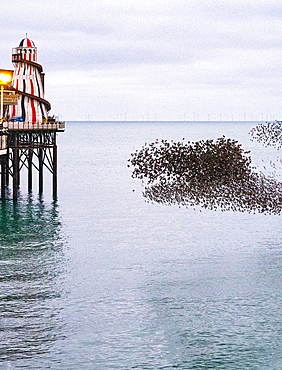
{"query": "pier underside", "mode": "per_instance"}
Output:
(31, 147)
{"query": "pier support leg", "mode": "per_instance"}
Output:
(55, 171)
(7, 167)
(29, 180)
(40, 168)
(16, 172)
(3, 178)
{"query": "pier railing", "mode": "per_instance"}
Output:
(38, 126)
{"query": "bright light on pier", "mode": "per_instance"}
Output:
(5, 78)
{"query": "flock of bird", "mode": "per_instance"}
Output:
(213, 174)
(268, 134)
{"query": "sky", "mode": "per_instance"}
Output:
(151, 59)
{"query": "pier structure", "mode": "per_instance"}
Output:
(27, 133)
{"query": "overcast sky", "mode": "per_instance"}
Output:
(153, 59)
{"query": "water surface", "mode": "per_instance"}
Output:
(100, 279)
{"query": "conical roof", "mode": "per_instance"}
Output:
(27, 43)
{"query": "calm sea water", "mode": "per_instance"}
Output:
(100, 279)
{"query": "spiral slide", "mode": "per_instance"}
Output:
(28, 82)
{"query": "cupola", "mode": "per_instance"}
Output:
(26, 50)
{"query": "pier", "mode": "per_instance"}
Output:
(28, 135)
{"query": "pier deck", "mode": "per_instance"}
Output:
(27, 126)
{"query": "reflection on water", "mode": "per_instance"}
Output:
(148, 287)
(30, 269)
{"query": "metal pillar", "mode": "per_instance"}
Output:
(3, 177)
(40, 169)
(7, 167)
(16, 168)
(29, 169)
(55, 169)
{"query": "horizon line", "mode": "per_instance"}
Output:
(159, 121)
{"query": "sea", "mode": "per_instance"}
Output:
(100, 279)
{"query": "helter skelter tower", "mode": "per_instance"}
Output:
(28, 81)
(27, 134)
